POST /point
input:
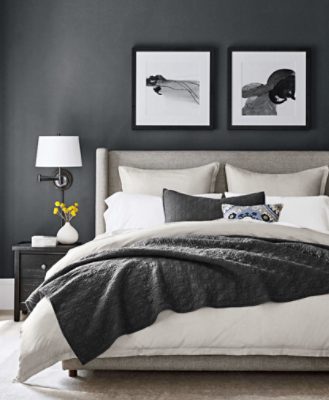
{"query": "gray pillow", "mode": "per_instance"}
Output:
(182, 207)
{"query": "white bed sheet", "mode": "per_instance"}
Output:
(299, 328)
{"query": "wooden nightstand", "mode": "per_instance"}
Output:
(31, 265)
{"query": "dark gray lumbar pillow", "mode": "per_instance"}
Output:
(182, 207)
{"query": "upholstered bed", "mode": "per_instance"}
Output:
(108, 180)
(107, 183)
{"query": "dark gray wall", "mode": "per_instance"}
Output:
(2, 133)
(68, 69)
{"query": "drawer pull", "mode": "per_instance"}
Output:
(43, 267)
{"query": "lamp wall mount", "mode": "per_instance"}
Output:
(62, 178)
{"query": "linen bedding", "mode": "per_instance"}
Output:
(268, 328)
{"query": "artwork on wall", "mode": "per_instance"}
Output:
(172, 88)
(268, 88)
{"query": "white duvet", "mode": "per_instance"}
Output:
(299, 328)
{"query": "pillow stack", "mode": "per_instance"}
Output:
(301, 193)
(153, 197)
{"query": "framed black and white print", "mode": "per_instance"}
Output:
(172, 88)
(268, 88)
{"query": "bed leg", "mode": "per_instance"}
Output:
(73, 373)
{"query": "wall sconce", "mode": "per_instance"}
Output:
(58, 152)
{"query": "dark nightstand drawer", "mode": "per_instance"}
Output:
(36, 265)
(27, 286)
(31, 265)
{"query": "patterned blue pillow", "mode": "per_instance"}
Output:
(265, 212)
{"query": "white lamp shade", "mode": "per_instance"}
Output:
(58, 151)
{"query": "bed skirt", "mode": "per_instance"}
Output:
(203, 363)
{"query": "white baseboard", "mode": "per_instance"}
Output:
(6, 294)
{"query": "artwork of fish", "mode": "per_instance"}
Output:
(184, 90)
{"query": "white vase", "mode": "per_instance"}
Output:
(67, 234)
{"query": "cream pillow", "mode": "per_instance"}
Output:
(310, 182)
(153, 181)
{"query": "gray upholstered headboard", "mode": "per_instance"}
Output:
(107, 162)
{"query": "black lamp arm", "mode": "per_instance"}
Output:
(45, 178)
(62, 178)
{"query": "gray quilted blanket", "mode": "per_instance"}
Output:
(121, 291)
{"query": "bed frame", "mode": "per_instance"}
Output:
(108, 182)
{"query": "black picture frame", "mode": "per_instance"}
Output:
(207, 49)
(307, 51)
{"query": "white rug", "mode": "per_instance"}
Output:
(54, 383)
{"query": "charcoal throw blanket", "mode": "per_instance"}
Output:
(121, 291)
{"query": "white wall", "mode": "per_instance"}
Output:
(6, 294)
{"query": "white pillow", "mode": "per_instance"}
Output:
(136, 211)
(153, 181)
(311, 182)
(308, 212)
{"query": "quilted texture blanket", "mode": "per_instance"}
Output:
(121, 291)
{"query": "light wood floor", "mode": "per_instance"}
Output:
(9, 315)
(6, 314)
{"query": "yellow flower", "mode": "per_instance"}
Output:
(57, 203)
(71, 208)
(62, 205)
(55, 211)
(73, 213)
(76, 204)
